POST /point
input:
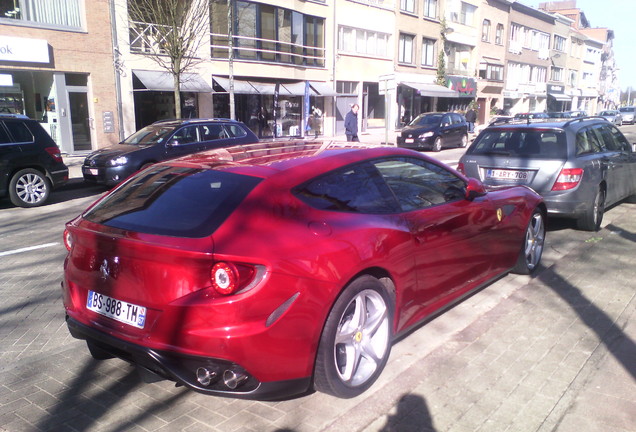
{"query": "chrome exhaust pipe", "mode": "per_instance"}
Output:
(233, 378)
(206, 376)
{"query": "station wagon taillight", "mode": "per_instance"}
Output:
(55, 153)
(568, 178)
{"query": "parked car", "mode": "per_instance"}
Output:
(434, 131)
(575, 114)
(31, 163)
(159, 141)
(628, 113)
(530, 116)
(268, 270)
(612, 116)
(580, 166)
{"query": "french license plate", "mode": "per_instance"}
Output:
(91, 171)
(409, 140)
(121, 311)
(507, 174)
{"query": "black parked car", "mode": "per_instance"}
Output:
(434, 131)
(160, 141)
(30, 162)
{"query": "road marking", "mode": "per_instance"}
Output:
(27, 249)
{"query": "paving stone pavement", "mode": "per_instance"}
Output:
(554, 352)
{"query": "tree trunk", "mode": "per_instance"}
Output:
(177, 95)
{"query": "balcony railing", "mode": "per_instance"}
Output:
(148, 38)
(266, 50)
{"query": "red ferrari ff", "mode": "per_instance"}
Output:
(269, 270)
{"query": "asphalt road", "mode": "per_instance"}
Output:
(49, 382)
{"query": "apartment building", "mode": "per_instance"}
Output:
(56, 66)
(558, 98)
(527, 59)
(492, 55)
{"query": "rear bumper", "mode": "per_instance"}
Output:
(154, 365)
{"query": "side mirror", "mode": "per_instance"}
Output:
(474, 189)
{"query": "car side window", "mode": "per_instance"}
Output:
(235, 131)
(186, 135)
(419, 184)
(616, 139)
(211, 132)
(446, 120)
(587, 143)
(356, 189)
(4, 136)
(19, 131)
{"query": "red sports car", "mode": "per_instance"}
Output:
(269, 270)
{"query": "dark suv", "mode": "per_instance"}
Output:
(580, 166)
(434, 131)
(163, 140)
(30, 161)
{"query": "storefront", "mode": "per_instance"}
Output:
(557, 99)
(466, 90)
(274, 109)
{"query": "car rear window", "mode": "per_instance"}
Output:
(528, 143)
(173, 201)
(19, 131)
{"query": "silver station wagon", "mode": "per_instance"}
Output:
(580, 166)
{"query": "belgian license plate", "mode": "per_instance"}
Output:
(121, 311)
(507, 174)
(408, 140)
(91, 171)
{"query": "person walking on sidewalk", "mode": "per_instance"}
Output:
(471, 116)
(351, 123)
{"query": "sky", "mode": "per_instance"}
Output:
(617, 15)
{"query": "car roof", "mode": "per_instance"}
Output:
(297, 160)
(551, 123)
(179, 122)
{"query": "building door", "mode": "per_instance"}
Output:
(81, 121)
(343, 106)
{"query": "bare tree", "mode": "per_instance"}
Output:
(170, 32)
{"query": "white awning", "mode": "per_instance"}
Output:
(322, 89)
(163, 81)
(560, 97)
(432, 89)
(240, 86)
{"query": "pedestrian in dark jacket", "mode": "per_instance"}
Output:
(351, 123)
(471, 116)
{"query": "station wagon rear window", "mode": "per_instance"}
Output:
(525, 143)
(173, 201)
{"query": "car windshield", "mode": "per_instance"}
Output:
(607, 113)
(149, 135)
(173, 201)
(537, 144)
(426, 120)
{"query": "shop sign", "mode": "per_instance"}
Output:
(466, 87)
(556, 89)
(14, 49)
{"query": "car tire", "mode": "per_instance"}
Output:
(356, 339)
(591, 220)
(29, 188)
(464, 142)
(437, 144)
(532, 248)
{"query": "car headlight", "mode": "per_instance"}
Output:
(121, 160)
(427, 135)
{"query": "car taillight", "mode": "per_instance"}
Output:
(68, 239)
(568, 178)
(460, 168)
(229, 278)
(55, 153)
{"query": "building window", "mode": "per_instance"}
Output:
(268, 33)
(347, 87)
(61, 13)
(407, 6)
(556, 74)
(459, 58)
(466, 14)
(363, 42)
(492, 72)
(499, 34)
(430, 8)
(406, 46)
(485, 31)
(428, 52)
(572, 78)
(559, 43)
